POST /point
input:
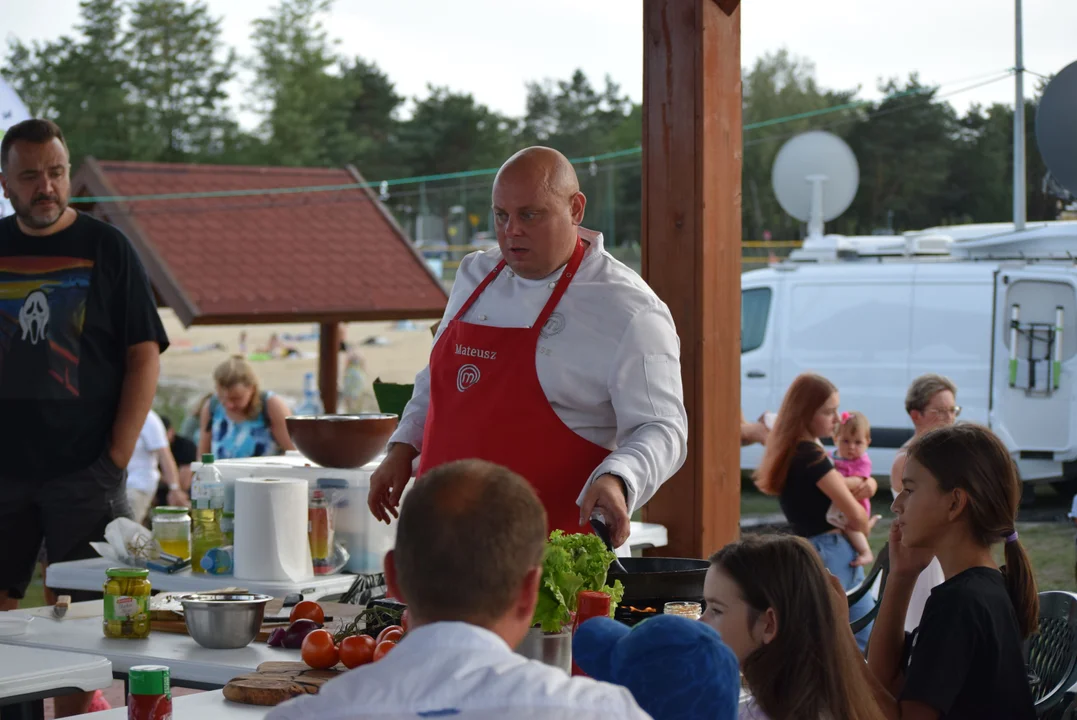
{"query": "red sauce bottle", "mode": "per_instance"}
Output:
(589, 604)
(150, 695)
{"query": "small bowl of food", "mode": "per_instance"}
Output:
(224, 620)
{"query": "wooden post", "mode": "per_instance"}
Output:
(691, 251)
(328, 353)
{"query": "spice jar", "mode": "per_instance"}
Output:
(150, 697)
(127, 603)
(690, 610)
(172, 530)
(589, 604)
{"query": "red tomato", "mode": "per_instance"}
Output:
(319, 651)
(393, 632)
(383, 649)
(307, 610)
(405, 620)
(357, 650)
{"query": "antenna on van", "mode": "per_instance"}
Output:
(1056, 118)
(815, 177)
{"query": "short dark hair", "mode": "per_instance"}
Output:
(35, 130)
(469, 533)
(166, 422)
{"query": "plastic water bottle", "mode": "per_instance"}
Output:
(207, 505)
(218, 561)
(311, 404)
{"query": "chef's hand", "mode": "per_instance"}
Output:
(607, 495)
(387, 483)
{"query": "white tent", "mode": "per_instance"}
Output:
(12, 111)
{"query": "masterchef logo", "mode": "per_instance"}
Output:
(468, 376)
(475, 352)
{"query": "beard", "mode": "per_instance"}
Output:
(37, 216)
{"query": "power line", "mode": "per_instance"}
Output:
(394, 182)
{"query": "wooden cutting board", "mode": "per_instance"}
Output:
(275, 682)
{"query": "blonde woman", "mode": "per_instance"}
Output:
(242, 420)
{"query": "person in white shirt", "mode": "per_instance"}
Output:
(151, 462)
(553, 359)
(468, 564)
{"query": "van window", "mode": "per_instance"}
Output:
(754, 310)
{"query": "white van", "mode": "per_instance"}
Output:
(996, 312)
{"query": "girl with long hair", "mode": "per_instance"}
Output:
(241, 420)
(770, 600)
(797, 469)
(960, 494)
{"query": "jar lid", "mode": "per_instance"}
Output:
(127, 572)
(169, 510)
(148, 680)
(207, 458)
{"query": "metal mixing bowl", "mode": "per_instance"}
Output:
(224, 620)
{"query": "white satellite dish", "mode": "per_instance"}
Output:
(815, 177)
(1056, 119)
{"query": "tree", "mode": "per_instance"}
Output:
(370, 114)
(573, 117)
(179, 78)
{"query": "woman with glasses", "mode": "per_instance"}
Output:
(931, 403)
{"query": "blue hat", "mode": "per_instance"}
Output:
(676, 668)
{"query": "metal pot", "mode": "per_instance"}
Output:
(549, 648)
(649, 578)
(224, 620)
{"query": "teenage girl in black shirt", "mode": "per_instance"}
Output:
(960, 496)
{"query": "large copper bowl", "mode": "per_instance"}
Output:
(342, 441)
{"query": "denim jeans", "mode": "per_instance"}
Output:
(837, 553)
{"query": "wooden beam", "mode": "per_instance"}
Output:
(691, 251)
(328, 356)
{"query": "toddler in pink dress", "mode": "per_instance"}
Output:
(851, 459)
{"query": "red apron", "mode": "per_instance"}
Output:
(486, 402)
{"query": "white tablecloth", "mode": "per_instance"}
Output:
(189, 661)
(201, 706)
(26, 671)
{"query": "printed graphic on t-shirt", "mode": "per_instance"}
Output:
(42, 309)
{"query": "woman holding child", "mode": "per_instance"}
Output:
(798, 470)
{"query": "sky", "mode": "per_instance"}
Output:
(491, 48)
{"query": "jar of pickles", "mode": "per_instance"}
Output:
(127, 603)
(172, 530)
(690, 610)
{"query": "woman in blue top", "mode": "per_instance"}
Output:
(241, 420)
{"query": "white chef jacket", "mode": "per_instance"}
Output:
(608, 361)
(457, 670)
(143, 471)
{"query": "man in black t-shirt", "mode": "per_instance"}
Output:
(80, 344)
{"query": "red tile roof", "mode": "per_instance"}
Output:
(306, 257)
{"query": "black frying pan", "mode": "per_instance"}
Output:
(651, 578)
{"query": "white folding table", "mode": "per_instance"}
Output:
(209, 705)
(29, 675)
(191, 664)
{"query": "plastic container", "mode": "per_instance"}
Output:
(126, 603)
(207, 506)
(150, 697)
(172, 530)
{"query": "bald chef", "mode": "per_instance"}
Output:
(553, 359)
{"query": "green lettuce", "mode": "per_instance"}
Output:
(572, 563)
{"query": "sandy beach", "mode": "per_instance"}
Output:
(195, 351)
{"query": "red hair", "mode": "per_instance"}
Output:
(802, 400)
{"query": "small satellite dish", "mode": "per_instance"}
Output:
(815, 177)
(1056, 127)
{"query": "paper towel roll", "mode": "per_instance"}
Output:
(270, 542)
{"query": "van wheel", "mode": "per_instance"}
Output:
(1028, 495)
